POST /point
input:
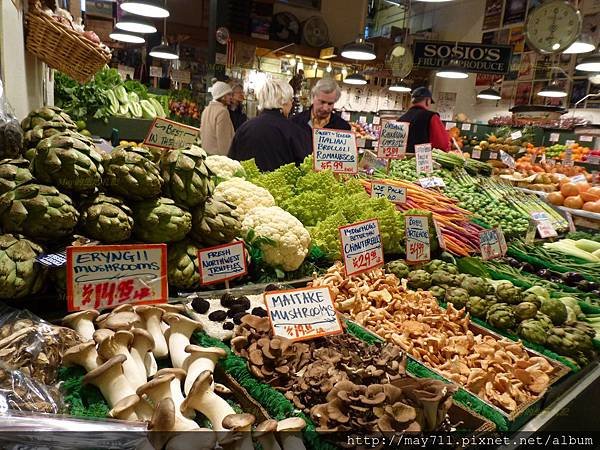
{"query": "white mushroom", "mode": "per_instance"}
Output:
(175, 386)
(141, 347)
(159, 389)
(180, 331)
(240, 436)
(111, 381)
(203, 399)
(152, 317)
(265, 435)
(84, 355)
(289, 433)
(199, 360)
(125, 408)
(82, 322)
(118, 344)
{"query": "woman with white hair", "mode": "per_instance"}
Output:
(270, 138)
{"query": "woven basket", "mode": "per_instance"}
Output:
(62, 48)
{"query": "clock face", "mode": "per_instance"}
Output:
(400, 61)
(553, 26)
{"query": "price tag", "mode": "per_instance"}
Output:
(476, 153)
(546, 229)
(346, 116)
(554, 137)
(540, 215)
(126, 70)
(586, 138)
(570, 221)
(156, 71)
(361, 142)
(181, 76)
(395, 194)
(335, 150)
(432, 182)
(578, 178)
(393, 139)
(361, 246)
(362, 119)
(489, 244)
(493, 155)
(417, 238)
(222, 262)
(569, 142)
(516, 135)
(106, 276)
(439, 234)
(301, 314)
(507, 159)
(465, 127)
(167, 134)
(594, 159)
(450, 125)
(424, 158)
(376, 120)
(53, 259)
(568, 159)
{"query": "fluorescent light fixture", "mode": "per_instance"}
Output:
(135, 24)
(453, 71)
(146, 8)
(122, 36)
(489, 94)
(400, 87)
(356, 79)
(164, 51)
(552, 90)
(589, 64)
(360, 50)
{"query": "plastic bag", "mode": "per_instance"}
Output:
(32, 345)
(11, 134)
(22, 393)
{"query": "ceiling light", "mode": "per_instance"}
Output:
(361, 50)
(147, 8)
(355, 78)
(589, 64)
(315, 66)
(400, 87)
(122, 36)
(329, 68)
(300, 64)
(583, 44)
(164, 51)
(452, 71)
(489, 94)
(135, 24)
(595, 78)
(552, 90)
(293, 62)
(344, 72)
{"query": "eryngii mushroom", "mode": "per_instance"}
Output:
(118, 344)
(199, 360)
(180, 330)
(175, 386)
(101, 334)
(124, 307)
(289, 433)
(124, 320)
(111, 381)
(203, 399)
(265, 435)
(125, 408)
(159, 389)
(84, 355)
(240, 436)
(82, 322)
(152, 317)
(141, 347)
(174, 308)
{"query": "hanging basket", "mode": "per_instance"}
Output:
(63, 48)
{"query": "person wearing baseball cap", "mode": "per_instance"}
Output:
(216, 129)
(425, 125)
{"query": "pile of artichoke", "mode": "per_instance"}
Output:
(62, 186)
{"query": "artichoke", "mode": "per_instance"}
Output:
(554, 309)
(68, 161)
(570, 341)
(130, 173)
(533, 331)
(478, 307)
(182, 264)
(106, 219)
(525, 310)
(532, 298)
(11, 138)
(418, 279)
(507, 293)
(13, 173)
(457, 296)
(37, 211)
(187, 178)
(441, 278)
(398, 268)
(20, 274)
(43, 123)
(544, 320)
(58, 275)
(216, 222)
(438, 264)
(160, 220)
(475, 286)
(438, 292)
(501, 316)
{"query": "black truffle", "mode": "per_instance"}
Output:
(227, 300)
(200, 305)
(242, 303)
(228, 325)
(260, 312)
(218, 316)
(237, 319)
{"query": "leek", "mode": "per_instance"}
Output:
(588, 245)
(568, 247)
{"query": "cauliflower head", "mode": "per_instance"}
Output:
(292, 240)
(244, 195)
(224, 167)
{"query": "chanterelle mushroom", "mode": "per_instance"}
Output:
(180, 331)
(152, 317)
(111, 381)
(118, 344)
(265, 435)
(84, 355)
(82, 322)
(289, 433)
(199, 360)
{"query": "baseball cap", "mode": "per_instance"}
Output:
(422, 92)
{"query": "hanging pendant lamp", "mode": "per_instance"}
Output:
(360, 50)
(135, 24)
(164, 50)
(123, 36)
(489, 94)
(146, 8)
(356, 79)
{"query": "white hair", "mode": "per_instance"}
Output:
(327, 86)
(273, 94)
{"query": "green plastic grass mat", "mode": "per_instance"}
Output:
(274, 401)
(82, 400)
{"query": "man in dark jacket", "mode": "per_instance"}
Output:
(425, 125)
(236, 108)
(320, 115)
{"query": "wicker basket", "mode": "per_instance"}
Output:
(62, 48)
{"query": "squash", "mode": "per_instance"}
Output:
(569, 190)
(573, 202)
(556, 198)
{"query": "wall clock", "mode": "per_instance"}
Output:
(553, 26)
(399, 60)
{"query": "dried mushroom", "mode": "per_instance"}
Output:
(22, 393)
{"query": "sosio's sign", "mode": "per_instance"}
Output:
(472, 57)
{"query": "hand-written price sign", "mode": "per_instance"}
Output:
(439, 234)
(539, 216)
(493, 155)
(166, 134)
(395, 194)
(568, 159)
(465, 126)
(578, 179)
(301, 314)
(490, 244)
(432, 182)
(417, 238)
(516, 135)
(543, 224)
(335, 150)
(106, 276)
(222, 262)
(507, 159)
(586, 139)
(361, 246)
(450, 125)
(424, 158)
(554, 137)
(393, 138)
(476, 154)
